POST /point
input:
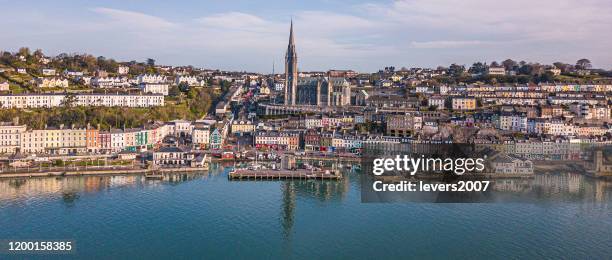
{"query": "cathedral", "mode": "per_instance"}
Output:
(314, 91)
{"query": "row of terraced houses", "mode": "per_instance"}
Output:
(16, 138)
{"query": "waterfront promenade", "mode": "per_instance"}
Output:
(94, 170)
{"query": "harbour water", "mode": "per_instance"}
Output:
(205, 214)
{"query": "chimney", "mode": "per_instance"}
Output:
(61, 126)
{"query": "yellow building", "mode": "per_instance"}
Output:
(52, 83)
(54, 141)
(33, 141)
(464, 103)
(396, 78)
(242, 127)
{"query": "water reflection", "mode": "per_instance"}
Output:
(283, 216)
(68, 188)
(556, 187)
(70, 197)
(568, 187)
(288, 208)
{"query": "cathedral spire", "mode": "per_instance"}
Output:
(291, 53)
(291, 74)
(291, 33)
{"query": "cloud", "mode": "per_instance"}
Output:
(518, 19)
(444, 44)
(324, 21)
(135, 19)
(236, 21)
(321, 36)
(362, 37)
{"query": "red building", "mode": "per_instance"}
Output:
(312, 140)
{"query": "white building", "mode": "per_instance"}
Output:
(117, 140)
(279, 86)
(69, 73)
(200, 137)
(110, 82)
(181, 127)
(437, 101)
(105, 100)
(10, 136)
(190, 80)
(48, 72)
(506, 164)
(496, 70)
(555, 71)
(4, 86)
(122, 70)
(173, 157)
(513, 122)
(560, 128)
(154, 88)
(151, 78)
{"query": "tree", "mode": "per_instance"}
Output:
(200, 105)
(389, 69)
(478, 68)
(184, 86)
(547, 77)
(150, 62)
(174, 91)
(583, 64)
(38, 53)
(100, 60)
(69, 101)
(509, 64)
(225, 85)
(456, 70)
(24, 51)
(536, 69)
(525, 69)
(564, 67)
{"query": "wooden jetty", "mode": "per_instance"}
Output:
(247, 174)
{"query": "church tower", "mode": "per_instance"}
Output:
(291, 73)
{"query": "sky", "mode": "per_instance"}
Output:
(362, 35)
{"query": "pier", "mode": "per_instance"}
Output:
(283, 175)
